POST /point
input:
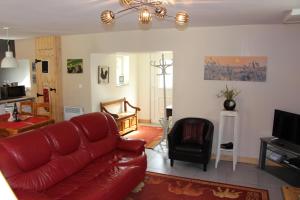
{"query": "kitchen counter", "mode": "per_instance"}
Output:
(4, 101)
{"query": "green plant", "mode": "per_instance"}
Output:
(229, 94)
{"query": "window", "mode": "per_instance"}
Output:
(122, 70)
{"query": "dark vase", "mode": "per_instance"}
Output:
(229, 104)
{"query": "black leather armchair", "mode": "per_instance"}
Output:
(195, 148)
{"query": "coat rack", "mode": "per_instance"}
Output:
(163, 67)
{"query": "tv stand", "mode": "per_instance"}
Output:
(280, 152)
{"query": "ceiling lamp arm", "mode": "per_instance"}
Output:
(129, 8)
(145, 15)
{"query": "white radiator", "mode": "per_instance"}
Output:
(72, 111)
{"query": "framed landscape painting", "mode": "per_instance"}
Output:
(74, 66)
(235, 68)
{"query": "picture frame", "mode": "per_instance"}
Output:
(33, 67)
(103, 74)
(236, 68)
(74, 66)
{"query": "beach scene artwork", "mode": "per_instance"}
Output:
(236, 68)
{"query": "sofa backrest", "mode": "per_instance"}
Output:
(100, 133)
(26, 161)
(67, 151)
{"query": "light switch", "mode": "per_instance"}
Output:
(80, 86)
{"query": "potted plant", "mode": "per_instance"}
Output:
(229, 94)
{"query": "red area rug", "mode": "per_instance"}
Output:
(150, 134)
(165, 187)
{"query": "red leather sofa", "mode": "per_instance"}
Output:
(84, 158)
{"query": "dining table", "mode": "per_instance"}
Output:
(25, 123)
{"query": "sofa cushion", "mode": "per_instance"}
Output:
(193, 132)
(107, 185)
(189, 148)
(94, 125)
(63, 137)
(38, 179)
(91, 126)
(30, 150)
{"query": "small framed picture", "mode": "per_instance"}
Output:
(103, 74)
(33, 67)
(74, 66)
(121, 80)
(33, 78)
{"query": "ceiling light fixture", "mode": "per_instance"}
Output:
(8, 61)
(146, 9)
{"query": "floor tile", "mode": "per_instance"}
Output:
(245, 174)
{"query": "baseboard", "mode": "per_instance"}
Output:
(247, 160)
(145, 121)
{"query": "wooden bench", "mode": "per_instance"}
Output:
(127, 121)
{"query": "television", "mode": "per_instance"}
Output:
(286, 126)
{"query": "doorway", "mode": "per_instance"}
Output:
(143, 86)
(157, 85)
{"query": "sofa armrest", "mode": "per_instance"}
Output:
(30, 195)
(137, 146)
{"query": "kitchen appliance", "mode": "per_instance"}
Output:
(9, 92)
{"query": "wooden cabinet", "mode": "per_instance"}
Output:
(127, 125)
(49, 81)
(126, 121)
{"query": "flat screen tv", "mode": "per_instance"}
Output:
(286, 126)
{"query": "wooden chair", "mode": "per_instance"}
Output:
(42, 110)
(127, 121)
(27, 108)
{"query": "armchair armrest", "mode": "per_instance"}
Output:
(173, 137)
(137, 146)
(114, 115)
(209, 138)
(134, 107)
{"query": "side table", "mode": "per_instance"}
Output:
(235, 116)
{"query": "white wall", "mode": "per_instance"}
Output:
(144, 87)
(108, 92)
(193, 96)
(77, 87)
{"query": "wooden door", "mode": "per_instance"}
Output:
(49, 80)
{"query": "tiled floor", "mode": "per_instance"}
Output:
(246, 175)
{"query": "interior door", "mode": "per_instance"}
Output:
(157, 90)
(48, 74)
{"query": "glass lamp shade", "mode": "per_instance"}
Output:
(125, 2)
(145, 16)
(182, 18)
(160, 12)
(9, 61)
(107, 17)
(6, 192)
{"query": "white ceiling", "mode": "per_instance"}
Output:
(42, 17)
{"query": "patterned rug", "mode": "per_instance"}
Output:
(150, 134)
(165, 187)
